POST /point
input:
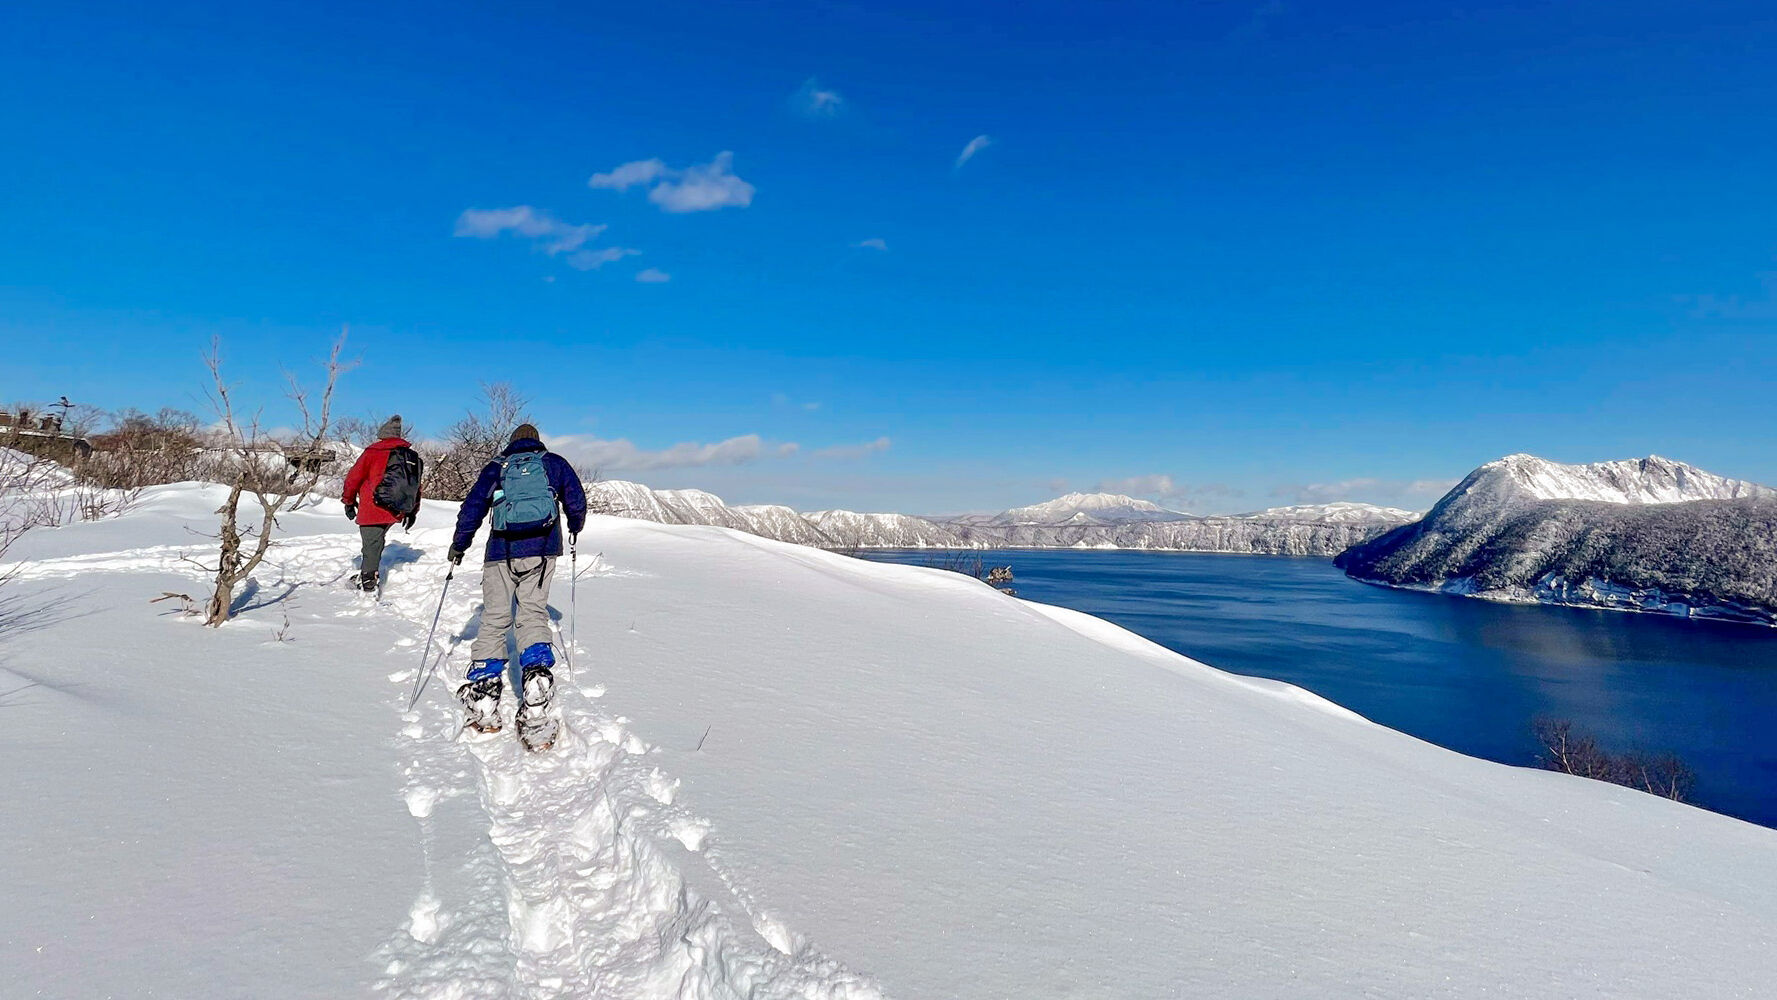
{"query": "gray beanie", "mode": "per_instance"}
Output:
(391, 428)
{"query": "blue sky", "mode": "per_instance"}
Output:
(1228, 255)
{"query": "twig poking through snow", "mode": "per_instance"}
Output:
(706, 735)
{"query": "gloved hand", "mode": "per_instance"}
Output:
(455, 556)
(407, 522)
(351, 512)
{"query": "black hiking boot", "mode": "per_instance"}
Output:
(537, 728)
(481, 704)
(368, 584)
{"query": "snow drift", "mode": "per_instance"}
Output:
(786, 774)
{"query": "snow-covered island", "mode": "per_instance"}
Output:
(786, 774)
(1077, 520)
(1645, 534)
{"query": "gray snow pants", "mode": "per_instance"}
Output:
(521, 581)
(372, 536)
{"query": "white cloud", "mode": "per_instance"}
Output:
(815, 101)
(975, 145)
(697, 188)
(621, 454)
(592, 260)
(653, 276)
(854, 451)
(553, 235)
(629, 175)
(873, 243)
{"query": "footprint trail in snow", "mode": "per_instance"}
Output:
(591, 881)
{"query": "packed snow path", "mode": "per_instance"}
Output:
(785, 774)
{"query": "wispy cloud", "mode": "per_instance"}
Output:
(853, 451)
(553, 236)
(975, 145)
(873, 243)
(622, 455)
(698, 188)
(815, 101)
(1364, 486)
(592, 260)
(653, 276)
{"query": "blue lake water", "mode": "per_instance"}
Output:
(1466, 674)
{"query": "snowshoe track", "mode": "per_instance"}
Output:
(592, 880)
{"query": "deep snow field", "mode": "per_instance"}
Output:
(786, 774)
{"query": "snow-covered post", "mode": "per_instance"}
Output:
(253, 470)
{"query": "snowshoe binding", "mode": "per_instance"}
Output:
(481, 704)
(537, 726)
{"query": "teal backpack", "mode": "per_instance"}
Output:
(524, 502)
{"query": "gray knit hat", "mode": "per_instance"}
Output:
(391, 428)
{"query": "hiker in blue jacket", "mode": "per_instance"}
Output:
(523, 490)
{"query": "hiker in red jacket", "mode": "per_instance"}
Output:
(382, 488)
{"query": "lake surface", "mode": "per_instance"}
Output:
(1466, 674)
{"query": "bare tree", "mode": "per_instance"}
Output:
(453, 464)
(141, 449)
(1572, 752)
(259, 466)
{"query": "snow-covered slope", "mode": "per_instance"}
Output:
(787, 774)
(1638, 535)
(1088, 508)
(850, 529)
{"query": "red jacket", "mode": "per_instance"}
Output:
(361, 482)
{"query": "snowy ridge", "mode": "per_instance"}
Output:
(1340, 512)
(1627, 481)
(1077, 520)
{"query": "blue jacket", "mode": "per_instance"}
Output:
(500, 546)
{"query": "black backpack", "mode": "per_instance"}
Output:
(399, 490)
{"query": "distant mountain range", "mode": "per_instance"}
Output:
(1645, 534)
(1077, 520)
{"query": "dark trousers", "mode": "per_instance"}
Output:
(373, 536)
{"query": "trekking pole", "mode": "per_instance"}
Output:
(426, 661)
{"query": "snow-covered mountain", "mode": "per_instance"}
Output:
(784, 775)
(1340, 512)
(1097, 520)
(1087, 508)
(1642, 534)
